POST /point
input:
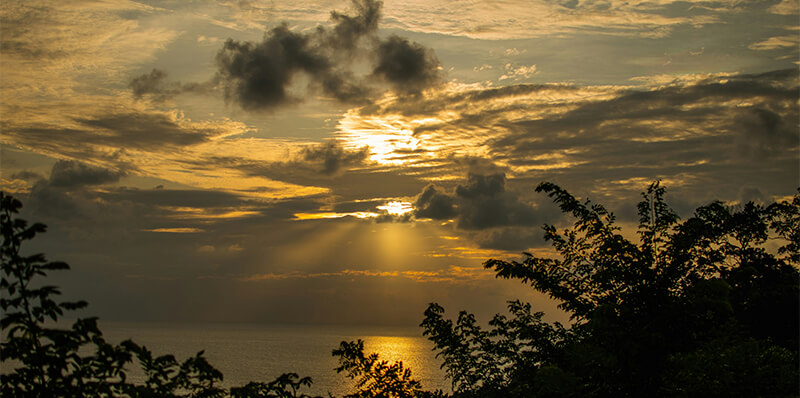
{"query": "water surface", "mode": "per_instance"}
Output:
(249, 352)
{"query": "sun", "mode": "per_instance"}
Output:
(397, 208)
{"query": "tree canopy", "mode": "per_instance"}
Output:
(698, 307)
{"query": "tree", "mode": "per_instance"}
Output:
(287, 385)
(49, 361)
(647, 315)
(376, 378)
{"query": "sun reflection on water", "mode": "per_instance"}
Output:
(415, 356)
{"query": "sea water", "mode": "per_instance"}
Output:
(249, 352)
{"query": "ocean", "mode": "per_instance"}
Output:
(251, 352)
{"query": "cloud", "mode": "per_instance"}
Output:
(262, 75)
(98, 41)
(510, 238)
(307, 164)
(485, 203)
(692, 132)
(409, 67)
(453, 274)
(69, 174)
(764, 132)
(177, 198)
(520, 72)
(66, 192)
(110, 136)
(785, 7)
(777, 42)
(519, 19)
(480, 203)
(435, 205)
(349, 30)
(155, 84)
(26, 175)
(143, 130)
(331, 158)
(148, 83)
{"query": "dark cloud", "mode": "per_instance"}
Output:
(68, 174)
(331, 158)
(148, 83)
(482, 202)
(27, 176)
(155, 84)
(313, 164)
(436, 205)
(349, 30)
(258, 76)
(150, 131)
(63, 194)
(764, 132)
(201, 199)
(482, 185)
(408, 67)
(143, 130)
(509, 238)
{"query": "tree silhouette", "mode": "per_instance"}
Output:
(696, 308)
(50, 361)
(375, 378)
(287, 385)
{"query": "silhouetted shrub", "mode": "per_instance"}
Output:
(695, 308)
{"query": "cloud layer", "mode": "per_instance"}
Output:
(482, 202)
(261, 75)
(388, 182)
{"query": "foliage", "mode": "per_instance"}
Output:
(481, 363)
(50, 361)
(696, 308)
(286, 385)
(376, 378)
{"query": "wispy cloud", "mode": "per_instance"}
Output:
(453, 274)
(713, 127)
(514, 19)
(789, 41)
(175, 230)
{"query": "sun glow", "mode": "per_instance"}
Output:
(397, 208)
(390, 139)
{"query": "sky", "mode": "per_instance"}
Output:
(326, 161)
